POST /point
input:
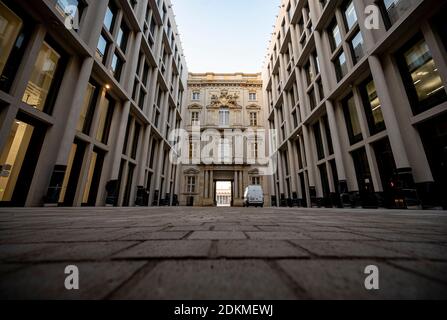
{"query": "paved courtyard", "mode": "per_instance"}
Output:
(228, 253)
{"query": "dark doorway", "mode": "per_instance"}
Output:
(93, 178)
(67, 198)
(434, 138)
(387, 168)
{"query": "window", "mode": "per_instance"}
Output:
(424, 85)
(318, 141)
(393, 10)
(309, 74)
(352, 120)
(14, 36)
(334, 36)
(88, 108)
(256, 181)
(42, 78)
(252, 96)
(253, 119)
(254, 151)
(357, 47)
(123, 35)
(12, 158)
(312, 99)
(105, 119)
(224, 117)
(195, 118)
(110, 16)
(196, 96)
(327, 131)
(101, 50)
(191, 185)
(117, 65)
(225, 150)
(341, 68)
(10, 26)
(350, 15)
(373, 107)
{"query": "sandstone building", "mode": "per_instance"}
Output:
(223, 103)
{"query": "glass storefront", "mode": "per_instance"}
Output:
(18, 161)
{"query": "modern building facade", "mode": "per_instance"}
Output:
(89, 91)
(225, 119)
(357, 91)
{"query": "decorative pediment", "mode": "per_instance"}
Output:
(253, 107)
(191, 172)
(225, 100)
(254, 172)
(195, 107)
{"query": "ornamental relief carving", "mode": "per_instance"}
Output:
(225, 99)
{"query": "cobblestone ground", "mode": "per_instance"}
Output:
(231, 253)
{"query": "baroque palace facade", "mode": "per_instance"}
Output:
(87, 100)
(357, 90)
(226, 113)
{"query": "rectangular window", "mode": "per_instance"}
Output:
(393, 10)
(102, 48)
(254, 151)
(252, 96)
(424, 85)
(117, 66)
(105, 119)
(42, 79)
(318, 141)
(352, 120)
(312, 99)
(110, 17)
(373, 107)
(253, 119)
(334, 35)
(357, 47)
(14, 35)
(256, 181)
(191, 185)
(123, 35)
(10, 26)
(341, 67)
(88, 107)
(196, 96)
(350, 15)
(327, 131)
(195, 120)
(224, 117)
(12, 158)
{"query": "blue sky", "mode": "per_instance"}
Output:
(225, 35)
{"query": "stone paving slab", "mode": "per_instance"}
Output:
(230, 253)
(208, 280)
(344, 279)
(167, 249)
(46, 281)
(261, 249)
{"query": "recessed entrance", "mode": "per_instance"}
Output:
(224, 193)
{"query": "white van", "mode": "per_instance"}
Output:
(254, 196)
